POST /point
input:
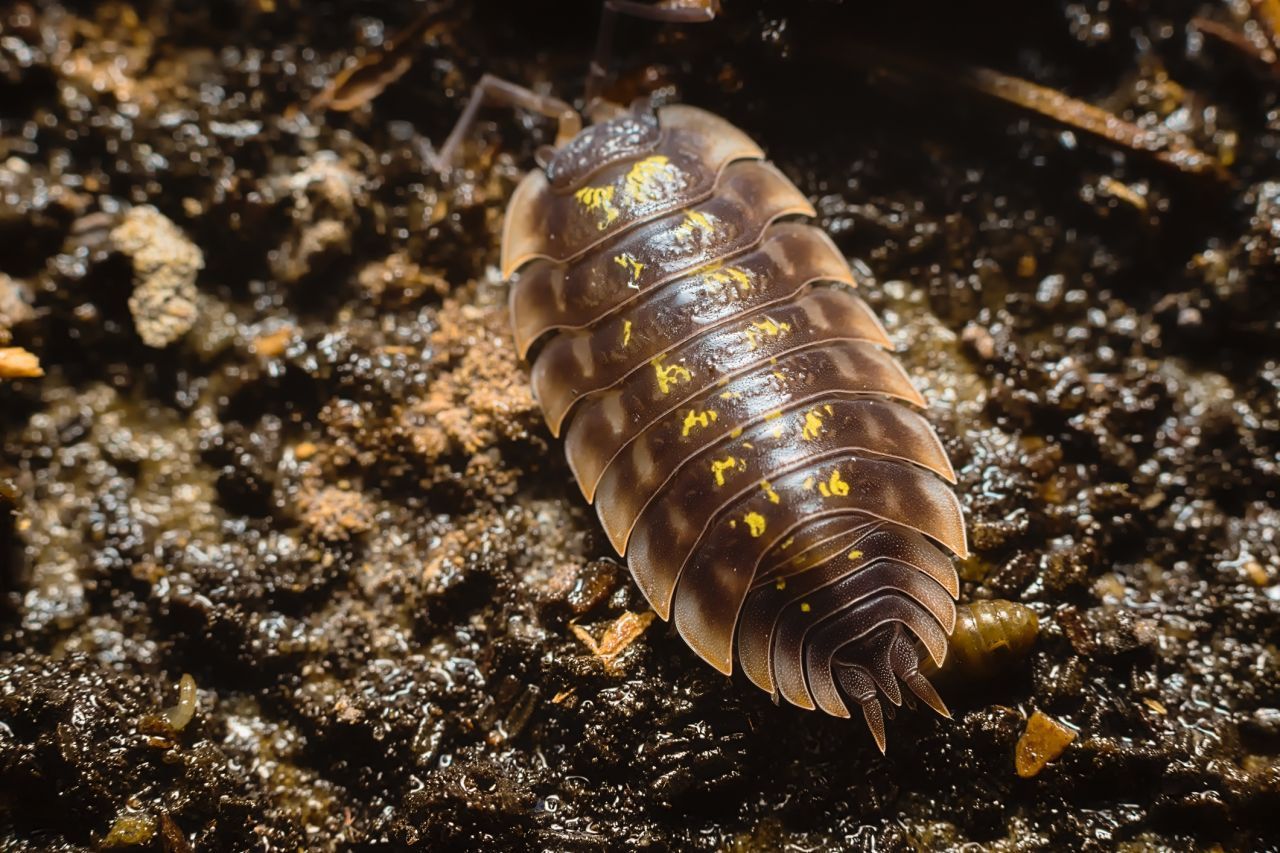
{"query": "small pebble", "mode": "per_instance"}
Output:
(130, 830)
(17, 363)
(1044, 740)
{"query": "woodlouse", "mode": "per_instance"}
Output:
(728, 403)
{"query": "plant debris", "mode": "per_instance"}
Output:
(617, 637)
(1044, 740)
(1169, 147)
(17, 363)
(363, 80)
(165, 264)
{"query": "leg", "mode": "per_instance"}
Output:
(494, 91)
(666, 11)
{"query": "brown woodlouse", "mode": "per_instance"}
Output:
(728, 403)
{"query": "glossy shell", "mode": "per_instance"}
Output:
(990, 638)
(732, 409)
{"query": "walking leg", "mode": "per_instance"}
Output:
(494, 91)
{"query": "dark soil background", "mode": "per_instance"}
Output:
(316, 482)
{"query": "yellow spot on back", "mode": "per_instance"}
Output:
(755, 521)
(730, 463)
(768, 490)
(855, 554)
(669, 375)
(790, 541)
(650, 179)
(695, 222)
(804, 607)
(720, 276)
(835, 486)
(730, 395)
(694, 418)
(633, 267)
(735, 432)
(808, 484)
(626, 332)
(781, 584)
(598, 200)
(812, 425)
(766, 328)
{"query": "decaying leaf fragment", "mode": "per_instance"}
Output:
(1257, 37)
(17, 363)
(1044, 740)
(365, 79)
(619, 634)
(1169, 147)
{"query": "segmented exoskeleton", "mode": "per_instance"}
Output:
(990, 638)
(730, 407)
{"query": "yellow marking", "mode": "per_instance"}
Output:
(729, 463)
(812, 425)
(730, 395)
(781, 584)
(855, 554)
(834, 486)
(748, 445)
(768, 490)
(626, 332)
(669, 375)
(777, 430)
(790, 541)
(804, 607)
(718, 275)
(778, 376)
(808, 484)
(756, 522)
(733, 525)
(600, 200)
(694, 222)
(694, 418)
(766, 328)
(633, 267)
(650, 179)
(737, 431)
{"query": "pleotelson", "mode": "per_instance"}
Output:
(731, 407)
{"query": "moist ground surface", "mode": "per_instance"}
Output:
(283, 445)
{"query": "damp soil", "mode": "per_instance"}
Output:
(282, 443)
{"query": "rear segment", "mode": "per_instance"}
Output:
(731, 407)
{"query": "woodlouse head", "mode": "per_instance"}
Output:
(626, 136)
